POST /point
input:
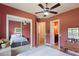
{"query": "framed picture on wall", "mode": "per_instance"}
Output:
(73, 33)
(18, 30)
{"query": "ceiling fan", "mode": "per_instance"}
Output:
(46, 10)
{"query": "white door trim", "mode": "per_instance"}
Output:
(52, 32)
(18, 19)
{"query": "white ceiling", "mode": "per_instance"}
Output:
(33, 7)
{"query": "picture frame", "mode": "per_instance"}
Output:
(18, 30)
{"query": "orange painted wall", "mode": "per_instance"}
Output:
(0, 22)
(56, 27)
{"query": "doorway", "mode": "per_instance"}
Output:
(19, 20)
(41, 33)
(54, 34)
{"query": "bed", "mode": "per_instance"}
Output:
(17, 40)
(43, 51)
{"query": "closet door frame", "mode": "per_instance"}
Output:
(19, 19)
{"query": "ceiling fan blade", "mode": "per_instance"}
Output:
(38, 12)
(53, 12)
(41, 6)
(57, 5)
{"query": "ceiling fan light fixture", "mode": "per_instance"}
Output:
(46, 13)
(46, 10)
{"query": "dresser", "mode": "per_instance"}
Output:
(71, 46)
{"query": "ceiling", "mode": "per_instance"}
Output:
(33, 7)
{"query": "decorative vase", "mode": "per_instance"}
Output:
(3, 45)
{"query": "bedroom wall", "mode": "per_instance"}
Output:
(67, 19)
(0, 26)
(26, 31)
(56, 27)
(13, 25)
(4, 10)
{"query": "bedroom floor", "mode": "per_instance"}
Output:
(17, 50)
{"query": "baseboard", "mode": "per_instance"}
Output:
(73, 52)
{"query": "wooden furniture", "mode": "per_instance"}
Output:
(71, 46)
(7, 43)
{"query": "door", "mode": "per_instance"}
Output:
(55, 33)
(41, 33)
